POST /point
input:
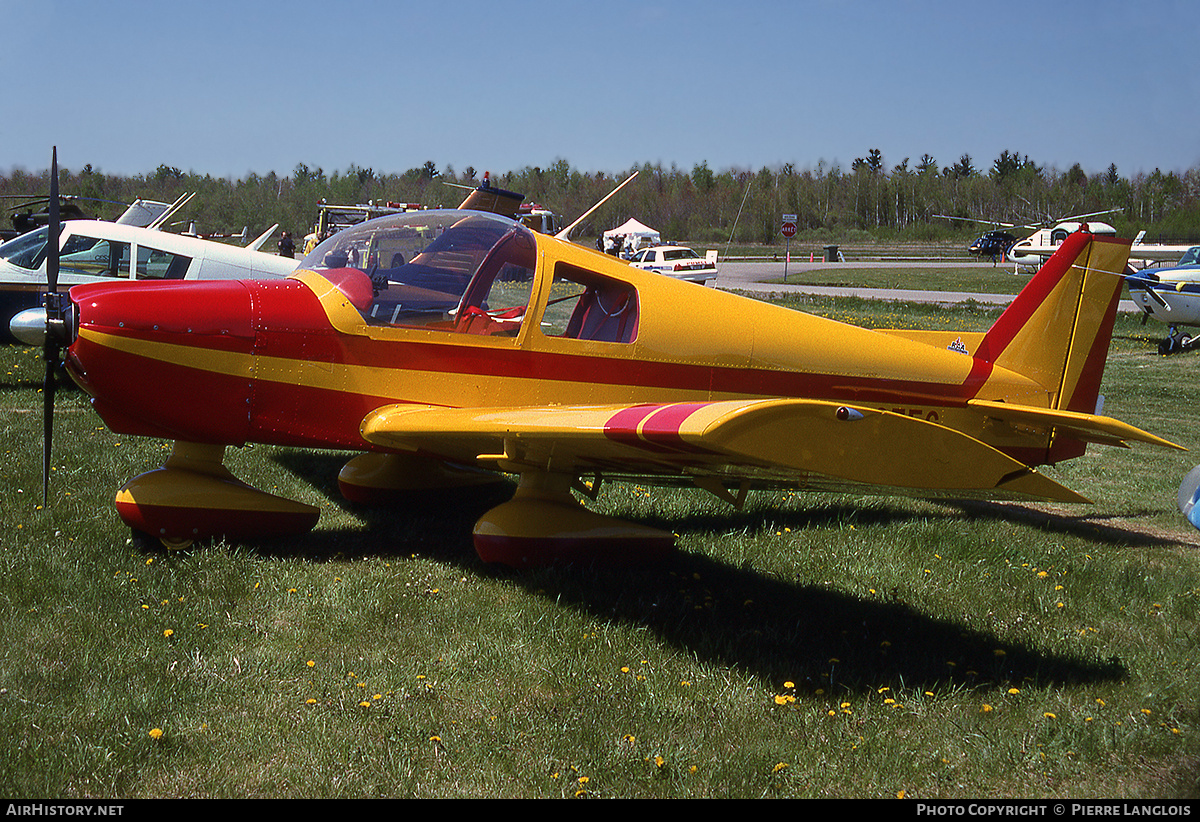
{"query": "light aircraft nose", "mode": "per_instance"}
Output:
(29, 326)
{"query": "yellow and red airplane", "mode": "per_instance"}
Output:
(452, 347)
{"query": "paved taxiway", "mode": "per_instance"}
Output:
(766, 277)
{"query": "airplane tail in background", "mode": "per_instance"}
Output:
(1058, 329)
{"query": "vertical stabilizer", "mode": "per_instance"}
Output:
(1057, 330)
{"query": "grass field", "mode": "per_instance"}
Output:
(976, 279)
(805, 646)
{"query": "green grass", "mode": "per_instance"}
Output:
(804, 646)
(975, 279)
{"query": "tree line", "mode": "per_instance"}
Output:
(868, 199)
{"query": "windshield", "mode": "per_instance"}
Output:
(26, 251)
(680, 254)
(462, 271)
(1191, 256)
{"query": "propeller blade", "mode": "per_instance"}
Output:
(52, 238)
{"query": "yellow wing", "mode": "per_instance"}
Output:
(779, 442)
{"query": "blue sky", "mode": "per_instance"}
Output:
(233, 88)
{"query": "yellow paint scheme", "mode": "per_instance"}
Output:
(680, 324)
(714, 389)
(762, 440)
(914, 439)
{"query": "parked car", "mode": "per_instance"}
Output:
(677, 261)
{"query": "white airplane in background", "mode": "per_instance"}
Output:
(1171, 295)
(98, 251)
(1030, 253)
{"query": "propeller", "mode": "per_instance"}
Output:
(56, 325)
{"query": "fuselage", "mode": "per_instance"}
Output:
(500, 323)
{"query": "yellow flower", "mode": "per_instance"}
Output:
(1049, 715)
(987, 709)
(156, 733)
(1013, 691)
(168, 633)
(310, 663)
(779, 767)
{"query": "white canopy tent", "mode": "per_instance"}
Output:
(633, 234)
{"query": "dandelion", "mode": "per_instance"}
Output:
(310, 663)
(156, 733)
(168, 633)
(1049, 715)
(779, 766)
(986, 709)
(1013, 691)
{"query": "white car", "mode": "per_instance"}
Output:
(677, 261)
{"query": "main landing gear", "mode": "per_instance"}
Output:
(193, 496)
(1177, 342)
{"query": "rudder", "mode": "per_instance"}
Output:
(1058, 329)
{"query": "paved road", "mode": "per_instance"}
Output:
(753, 276)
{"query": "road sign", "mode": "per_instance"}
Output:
(789, 225)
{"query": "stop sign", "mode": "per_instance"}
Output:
(788, 229)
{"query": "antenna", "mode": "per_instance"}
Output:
(566, 232)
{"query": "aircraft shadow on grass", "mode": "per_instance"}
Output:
(777, 629)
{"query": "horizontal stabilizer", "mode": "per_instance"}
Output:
(1074, 424)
